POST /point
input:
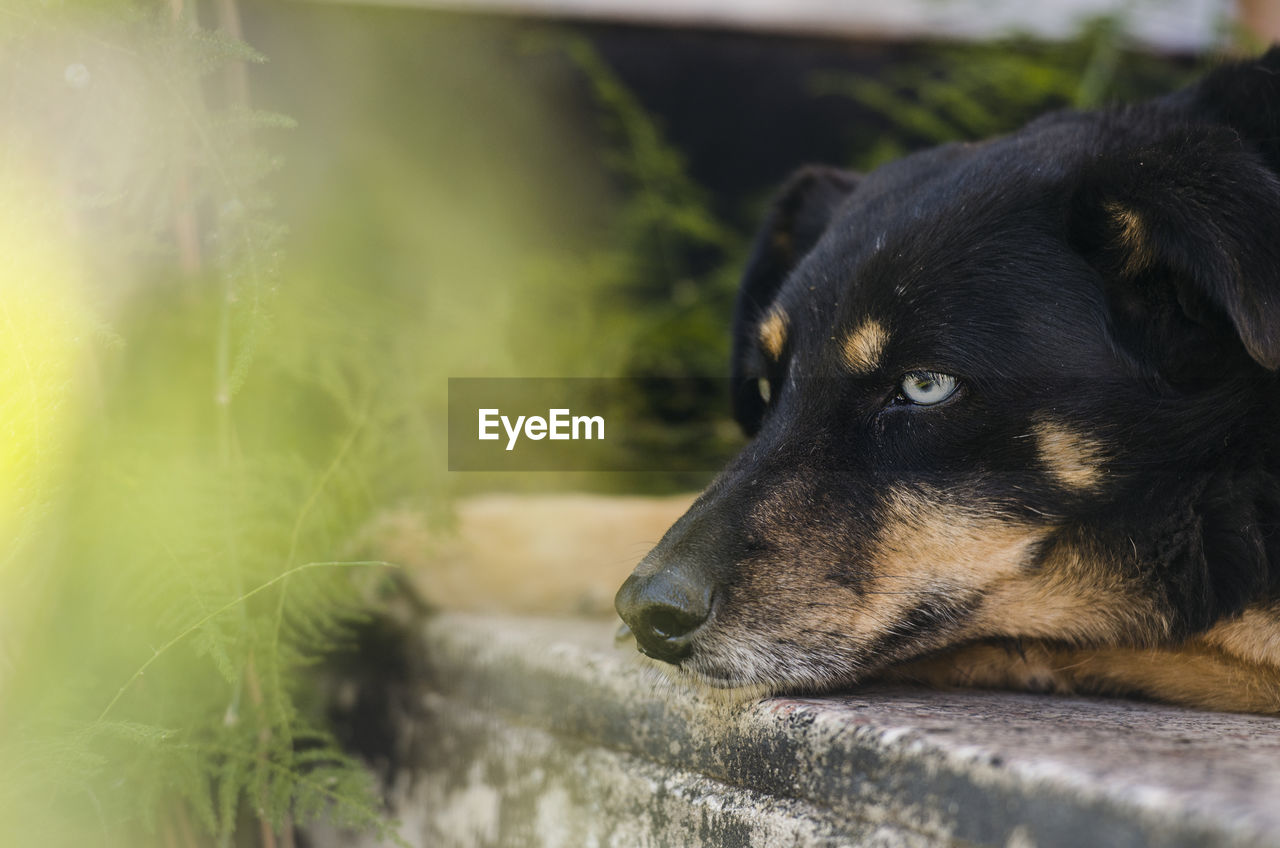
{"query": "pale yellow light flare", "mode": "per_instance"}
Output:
(43, 328)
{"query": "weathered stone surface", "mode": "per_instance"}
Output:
(540, 732)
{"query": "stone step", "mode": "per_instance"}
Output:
(539, 732)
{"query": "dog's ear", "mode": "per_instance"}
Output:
(796, 220)
(1191, 219)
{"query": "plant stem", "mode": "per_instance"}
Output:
(229, 605)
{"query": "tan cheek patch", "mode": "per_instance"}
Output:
(948, 545)
(1066, 602)
(927, 549)
(773, 333)
(924, 549)
(1075, 594)
(864, 346)
(1072, 459)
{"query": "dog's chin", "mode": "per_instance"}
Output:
(727, 687)
(747, 667)
(722, 689)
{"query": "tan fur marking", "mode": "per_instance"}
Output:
(1133, 237)
(1192, 675)
(1075, 595)
(923, 549)
(1072, 459)
(773, 332)
(1254, 636)
(1079, 625)
(863, 347)
(929, 548)
(949, 542)
(1058, 605)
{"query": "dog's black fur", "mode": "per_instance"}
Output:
(1104, 480)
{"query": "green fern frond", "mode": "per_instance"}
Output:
(196, 544)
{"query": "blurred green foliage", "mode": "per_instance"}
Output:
(181, 499)
(965, 92)
(666, 266)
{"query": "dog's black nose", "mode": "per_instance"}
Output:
(663, 610)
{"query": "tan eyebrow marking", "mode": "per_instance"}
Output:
(773, 332)
(863, 347)
(1133, 238)
(1071, 458)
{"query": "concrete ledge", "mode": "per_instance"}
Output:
(539, 732)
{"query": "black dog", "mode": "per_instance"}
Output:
(1016, 420)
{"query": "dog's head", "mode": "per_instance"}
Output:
(1025, 387)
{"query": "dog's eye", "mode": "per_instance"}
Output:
(928, 387)
(765, 389)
